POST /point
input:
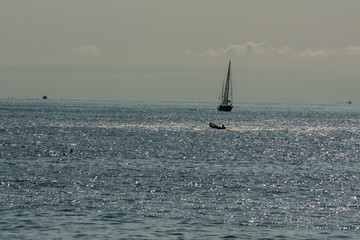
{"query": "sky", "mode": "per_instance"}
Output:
(178, 50)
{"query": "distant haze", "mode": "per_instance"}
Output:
(282, 51)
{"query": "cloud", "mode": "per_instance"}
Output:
(313, 53)
(210, 52)
(353, 50)
(87, 49)
(261, 49)
(189, 52)
(251, 49)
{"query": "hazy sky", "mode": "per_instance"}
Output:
(305, 51)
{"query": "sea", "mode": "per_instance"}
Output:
(154, 170)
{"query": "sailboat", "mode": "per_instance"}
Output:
(226, 97)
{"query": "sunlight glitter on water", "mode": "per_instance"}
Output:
(102, 171)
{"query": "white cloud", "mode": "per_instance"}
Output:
(251, 48)
(353, 50)
(285, 51)
(87, 49)
(260, 49)
(210, 52)
(313, 53)
(189, 52)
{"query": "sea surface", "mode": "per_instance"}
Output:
(137, 170)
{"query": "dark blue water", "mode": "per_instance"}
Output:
(135, 170)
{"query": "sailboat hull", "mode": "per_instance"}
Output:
(226, 108)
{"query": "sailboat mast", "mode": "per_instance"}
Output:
(231, 90)
(222, 92)
(227, 86)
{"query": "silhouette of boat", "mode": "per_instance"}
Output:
(226, 96)
(213, 125)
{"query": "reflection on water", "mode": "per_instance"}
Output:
(78, 169)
